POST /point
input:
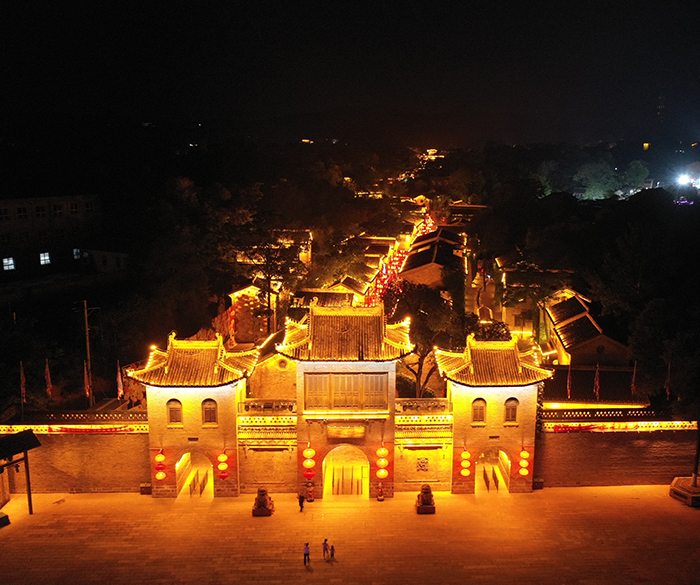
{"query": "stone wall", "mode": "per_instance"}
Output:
(85, 463)
(4, 488)
(275, 469)
(590, 459)
(416, 466)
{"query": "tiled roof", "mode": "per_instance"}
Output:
(440, 234)
(323, 297)
(351, 283)
(577, 331)
(615, 385)
(566, 310)
(441, 253)
(11, 445)
(188, 363)
(491, 363)
(346, 334)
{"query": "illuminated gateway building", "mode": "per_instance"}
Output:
(316, 407)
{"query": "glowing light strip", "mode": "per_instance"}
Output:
(621, 427)
(76, 429)
(587, 405)
(267, 420)
(335, 414)
(426, 419)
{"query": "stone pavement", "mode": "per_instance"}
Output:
(555, 536)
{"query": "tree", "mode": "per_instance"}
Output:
(433, 322)
(599, 179)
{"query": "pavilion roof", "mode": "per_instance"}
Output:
(346, 334)
(491, 363)
(195, 363)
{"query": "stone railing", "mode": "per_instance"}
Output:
(602, 414)
(79, 417)
(267, 407)
(423, 405)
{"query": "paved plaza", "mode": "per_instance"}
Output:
(553, 536)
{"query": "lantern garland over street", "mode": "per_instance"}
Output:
(389, 272)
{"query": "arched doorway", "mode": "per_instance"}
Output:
(195, 476)
(346, 473)
(493, 468)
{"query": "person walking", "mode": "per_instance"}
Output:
(301, 502)
(325, 549)
(307, 559)
(332, 553)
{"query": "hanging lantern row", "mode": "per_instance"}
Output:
(309, 463)
(382, 462)
(524, 463)
(222, 466)
(466, 464)
(160, 466)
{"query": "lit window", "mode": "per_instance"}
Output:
(174, 412)
(44, 258)
(346, 391)
(76, 253)
(479, 410)
(209, 414)
(512, 410)
(8, 263)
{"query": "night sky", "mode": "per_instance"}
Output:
(443, 73)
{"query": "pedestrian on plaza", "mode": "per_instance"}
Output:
(332, 553)
(306, 554)
(301, 502)
(325, 549)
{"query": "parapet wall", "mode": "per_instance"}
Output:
(77, 463)
(619, 458)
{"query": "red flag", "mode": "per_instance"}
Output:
(87, 380)
(568, 384)
(120, 382)
(47, 375)
(596, 382)
(633, 386)
(22, 382)
(667, 383)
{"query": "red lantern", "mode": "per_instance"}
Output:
(309, 473)
(223, 474)
(160, 466)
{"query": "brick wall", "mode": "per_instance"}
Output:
(85, 463)
(587, 459)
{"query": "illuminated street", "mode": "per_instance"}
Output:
(563, 536)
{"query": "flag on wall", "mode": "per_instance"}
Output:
(47, 375)
(120, 382)
(22, 382)
(87, 380)
(568, 384)
(667, 383)
(596, 382)
(633, 386)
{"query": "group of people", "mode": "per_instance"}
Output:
(328, 552)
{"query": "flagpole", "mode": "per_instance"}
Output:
(91, 397)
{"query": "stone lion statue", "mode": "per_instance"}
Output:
(425, 497)
(263, 500)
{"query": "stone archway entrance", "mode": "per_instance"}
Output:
(195, 476)
(493, 468)
(346, 473)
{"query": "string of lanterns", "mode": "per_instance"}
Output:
(382, 462)
(222, 465)
(524, 463)
(466, 464)
(309, 463)
(160, 466)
